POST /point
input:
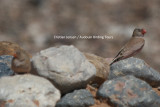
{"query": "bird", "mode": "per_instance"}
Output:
(132, 47)
(21, 62)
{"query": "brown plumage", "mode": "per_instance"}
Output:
(132, 47)
(21, 62)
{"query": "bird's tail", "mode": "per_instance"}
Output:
(115, 60)
(112, 62)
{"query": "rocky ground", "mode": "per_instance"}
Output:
(33, 24)
(63, 76)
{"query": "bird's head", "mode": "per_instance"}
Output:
(138, 32)
(17, 54)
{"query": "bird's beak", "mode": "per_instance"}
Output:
(15, 55)
(143, 31)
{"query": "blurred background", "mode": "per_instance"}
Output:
(33, 24)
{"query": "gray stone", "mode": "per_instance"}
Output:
(129, 91)
(78, 98)
(6, 59)
(66, 67)
(5, 65)
(136, 67)
(27, 91)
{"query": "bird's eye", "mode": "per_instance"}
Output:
(139, 30)
(18, 53)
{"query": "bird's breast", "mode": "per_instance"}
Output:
(17, 62)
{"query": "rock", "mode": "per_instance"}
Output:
(5, 70)
(66, 67)
(78, 98)
(136, 67)
(9, 48)
(129, 91)
(27, 91)
(102, 67)
(5, 65)
(7, 59)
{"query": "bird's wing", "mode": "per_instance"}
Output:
(133, 46)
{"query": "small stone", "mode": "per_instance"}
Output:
(27, 91)
(78, 98)
(102, 67)
(136, 67)
(129, 91)
(5, 65)
(66, 67)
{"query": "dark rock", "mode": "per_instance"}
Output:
(129, 91)
(6, 59)
(5, 65)
(78, 98)
(136, 67)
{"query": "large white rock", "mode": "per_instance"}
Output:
(27, 91)
(65, 66)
